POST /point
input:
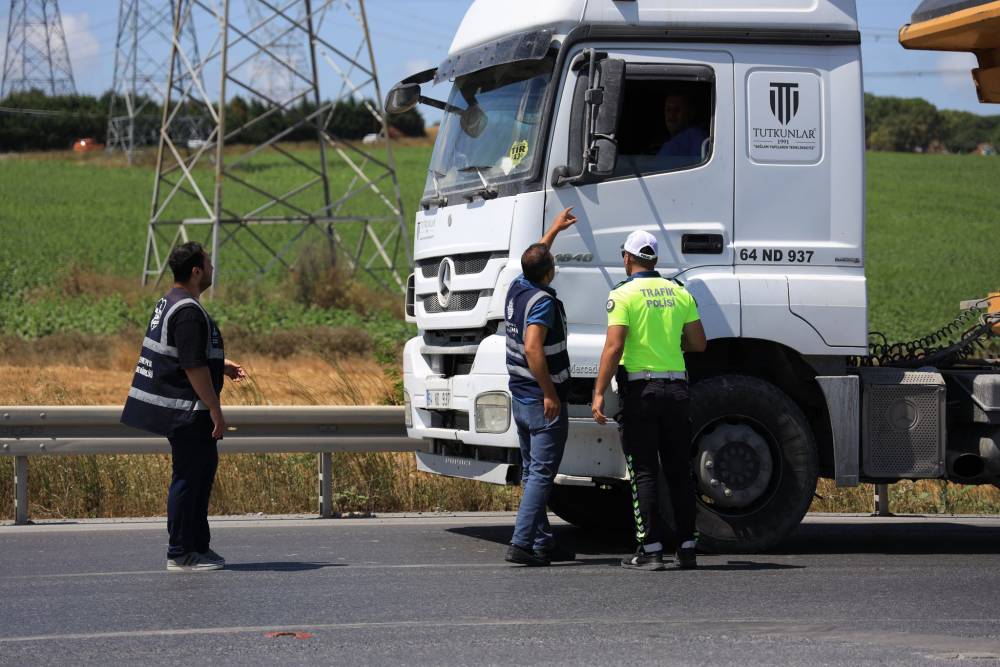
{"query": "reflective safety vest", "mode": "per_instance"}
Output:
(521, 298)
(161, 398)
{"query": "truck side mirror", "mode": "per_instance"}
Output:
(593, 143)
(402, 98)
(603, 141)
(473, 120)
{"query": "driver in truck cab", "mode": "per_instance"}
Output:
(652, 321)
(686, 136)
(538, 365)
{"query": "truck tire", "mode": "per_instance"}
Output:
(602, 512)
(755, 464)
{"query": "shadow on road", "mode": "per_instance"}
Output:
(280, 566)
(747, 565)
(889, 536)
(574, 538)
(586, 545)
(879, 535)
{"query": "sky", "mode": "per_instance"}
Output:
(411, 35)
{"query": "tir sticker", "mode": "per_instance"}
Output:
(518, 151)
(784, 117)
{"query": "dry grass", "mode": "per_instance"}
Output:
(42, 373)
(921, 497)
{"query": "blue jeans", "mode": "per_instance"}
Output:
(542, 445)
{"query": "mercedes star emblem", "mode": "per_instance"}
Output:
(445, 271)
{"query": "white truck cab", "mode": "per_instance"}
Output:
(731, 130)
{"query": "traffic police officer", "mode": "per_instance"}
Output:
(651, 322)
(175, 393)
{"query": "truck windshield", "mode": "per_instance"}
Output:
(490, 131)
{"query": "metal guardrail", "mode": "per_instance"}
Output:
(28, 431)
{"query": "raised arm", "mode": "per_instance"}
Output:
(564, 220)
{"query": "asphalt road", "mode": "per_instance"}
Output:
(435, 590)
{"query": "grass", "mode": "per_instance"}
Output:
(74, 229)
(94, 212)
(932, 238)
(129, 486)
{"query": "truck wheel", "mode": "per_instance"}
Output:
(603, 512)
(755, 463)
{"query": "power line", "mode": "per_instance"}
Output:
(916, 73)
(50, 112)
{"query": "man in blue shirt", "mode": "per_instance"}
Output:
(686, 137)
(538, 365)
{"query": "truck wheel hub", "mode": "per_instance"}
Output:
(734, 465)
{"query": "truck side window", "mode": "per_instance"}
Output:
(666, 122)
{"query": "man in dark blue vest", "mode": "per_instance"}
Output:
(175, 393)
(538, 365)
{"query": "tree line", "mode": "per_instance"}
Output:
(35, 121)
(914, 124)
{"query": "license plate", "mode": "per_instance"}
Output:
(438, 398)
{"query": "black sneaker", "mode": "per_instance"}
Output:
(192, 562)
(687, 558)
(519, 556)
(210, 555)
(556, 553)
(644, 561)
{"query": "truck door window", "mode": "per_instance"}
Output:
(666, 122)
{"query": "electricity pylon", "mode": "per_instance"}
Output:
(36, 56)
(274, 73)
(246, 191)
(142, 50)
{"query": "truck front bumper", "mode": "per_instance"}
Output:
(455, 448)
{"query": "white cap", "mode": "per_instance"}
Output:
(638, 240)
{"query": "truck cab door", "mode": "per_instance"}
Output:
(673, 178)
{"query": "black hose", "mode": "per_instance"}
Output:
(951, 344)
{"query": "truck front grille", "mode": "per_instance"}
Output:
(464, 264)
(460, 301)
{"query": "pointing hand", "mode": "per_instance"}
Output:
(564, 220)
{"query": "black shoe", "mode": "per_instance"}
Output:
(687, 558)
(556, 553)
(644, 561)
(519, 556)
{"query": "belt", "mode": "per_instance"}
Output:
(657, 375)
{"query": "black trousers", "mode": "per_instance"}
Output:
(195, 458)
(656, 431)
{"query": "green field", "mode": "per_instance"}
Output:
(931, 237)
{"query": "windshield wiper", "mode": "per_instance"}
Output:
(487, 191)
(438, 199)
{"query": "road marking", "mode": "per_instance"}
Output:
(934, 646)
(293, 566)
(238, 522)
(458, 519)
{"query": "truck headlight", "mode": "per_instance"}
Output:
(407, 410)
(492, 412)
